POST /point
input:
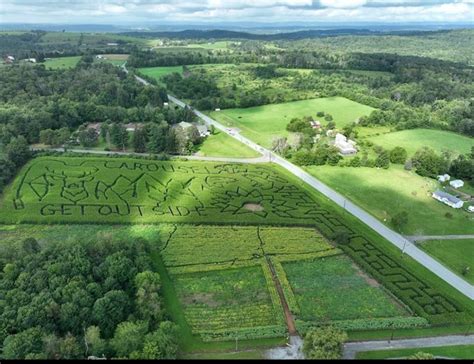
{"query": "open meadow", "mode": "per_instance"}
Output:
(62, 62)
(414, 139)
(220, 144)
(158, 72)
(375, 191)
(263, 123)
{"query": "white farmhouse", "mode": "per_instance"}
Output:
(345, 146)
(448, 199)
(444, 178)
(456, 183)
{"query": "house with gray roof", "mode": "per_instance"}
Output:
(448, 199)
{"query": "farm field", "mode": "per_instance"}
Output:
(186, 254)
(263, 123)
(411, 193)
(414, 139)
(222, 145)
(456, 351)
(62, 62)
(132, 190)
(320, 286)
(158, 72)
(227, 303)
(115, 59)
(455, 254)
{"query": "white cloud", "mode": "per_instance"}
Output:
(236, 10)
(343, 4)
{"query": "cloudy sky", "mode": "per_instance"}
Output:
(267, 11)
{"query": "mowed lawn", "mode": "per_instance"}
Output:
(62, 62)
(455, 254)
(455, 351)
(263, 123)
(222, 145)
(414, 139)
(386, 192)
(334, 289)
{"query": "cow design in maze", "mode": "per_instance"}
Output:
(68, 183)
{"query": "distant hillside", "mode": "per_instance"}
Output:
(303, 34)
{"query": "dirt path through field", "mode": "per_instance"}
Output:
(290, 323)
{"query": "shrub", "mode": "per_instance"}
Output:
(324, 343)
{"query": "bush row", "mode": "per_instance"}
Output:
(258, 332)
(367, 324)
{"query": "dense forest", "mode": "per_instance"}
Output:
(97, 297)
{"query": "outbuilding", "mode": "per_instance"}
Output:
(456, 183)
(448, 199)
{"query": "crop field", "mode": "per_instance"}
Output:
(78, 190)
(455, 254)
(414, 139)
(188, 248)
(410, 193)
(263, 123)
(216, 277)
(62, 62)
(222, 145)
(226, 303)
(320, 285)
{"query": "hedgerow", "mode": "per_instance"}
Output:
(367, 324)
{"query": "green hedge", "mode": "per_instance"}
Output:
(367, 324)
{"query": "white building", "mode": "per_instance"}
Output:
(470, 208)
(217, 109)
(456, 183)
(203, 131)
(165, 104)
(32, 60)
(11, 58)
(443, 178)
(448, 199)
(345, 146)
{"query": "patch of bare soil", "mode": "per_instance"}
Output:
(253, 207)
(370, 281)
(201, 298)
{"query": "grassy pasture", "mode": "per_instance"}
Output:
(414, 139)
(62, 62)
(375, 191)
(80, 190)
(222, 145)
(456, 351)
(455, 254)
(263, 123)
(321, 285)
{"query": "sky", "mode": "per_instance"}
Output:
(258, 11)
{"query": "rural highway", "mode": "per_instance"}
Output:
(396, 239)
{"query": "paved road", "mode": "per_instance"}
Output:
(396, 239)
(261, 159)
(438, 237)
(351, 349)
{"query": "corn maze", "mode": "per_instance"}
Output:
(217, 224)
(79, 190)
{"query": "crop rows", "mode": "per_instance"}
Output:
(80, 190)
